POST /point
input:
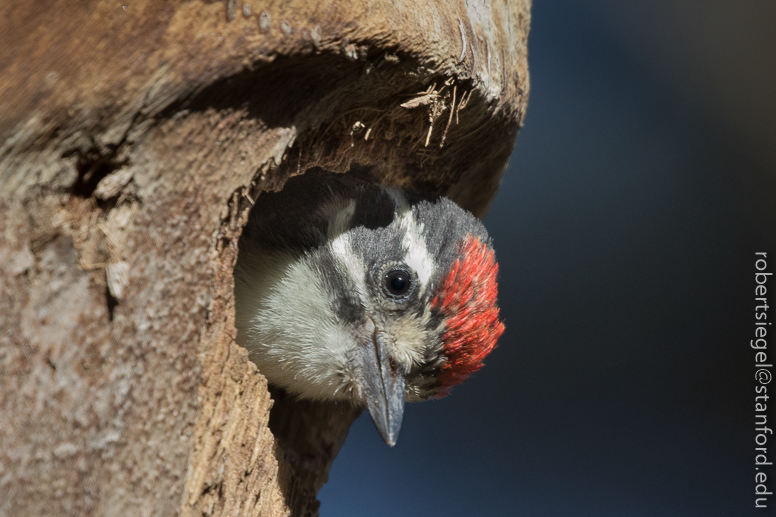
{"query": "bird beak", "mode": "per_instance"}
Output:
(384, 388)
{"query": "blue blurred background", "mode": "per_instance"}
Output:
(641, 186)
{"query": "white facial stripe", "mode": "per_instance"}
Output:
(402, 206)
(341, 249)
(344, 253)
(339, 218)
(417, 256)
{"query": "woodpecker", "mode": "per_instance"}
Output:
(349, 290)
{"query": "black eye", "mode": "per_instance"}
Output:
(398, 282)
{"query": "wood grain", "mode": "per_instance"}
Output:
(133, 140)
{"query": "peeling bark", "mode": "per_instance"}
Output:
(132, 143)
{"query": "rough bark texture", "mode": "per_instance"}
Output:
(133, 140)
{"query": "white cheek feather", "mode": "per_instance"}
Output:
(292, 335)
(417, 256)
(254, 275)
(409, 335)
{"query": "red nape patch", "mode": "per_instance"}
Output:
(467, 296)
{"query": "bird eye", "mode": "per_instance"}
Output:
(397, 282)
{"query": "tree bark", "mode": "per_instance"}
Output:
(133, 141)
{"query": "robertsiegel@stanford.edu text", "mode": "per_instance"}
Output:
(762, 378)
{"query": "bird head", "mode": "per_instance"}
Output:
(375, 296)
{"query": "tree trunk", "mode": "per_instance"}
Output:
(133, 141)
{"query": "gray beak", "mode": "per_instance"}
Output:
(384, 388)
